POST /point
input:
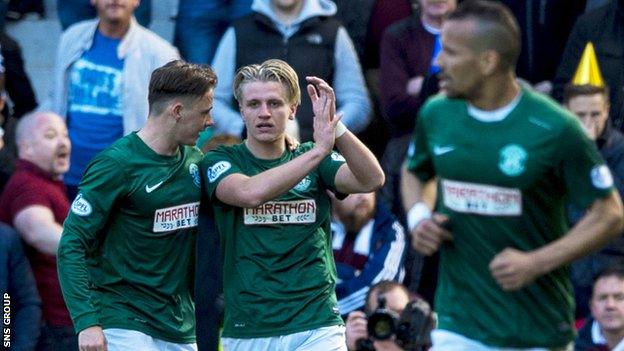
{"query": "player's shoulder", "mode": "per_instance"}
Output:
(192, 152)
(119, 152)
(540, 107)
(225, 153)
(440, 104)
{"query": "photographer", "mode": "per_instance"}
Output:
(413, 325)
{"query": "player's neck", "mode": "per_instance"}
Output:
(497, 92)
(266, 150)
(158, 140)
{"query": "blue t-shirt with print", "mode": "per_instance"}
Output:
(95, 104)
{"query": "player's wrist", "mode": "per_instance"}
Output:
(340, 129)
(419, 212)
(320, 150)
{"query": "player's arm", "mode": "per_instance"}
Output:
(418, 192)
(361, 173)
(588, 184)
(244, 191)
(102, 184)
(241, 190)
(414, 191)
(427, 229)
(602, 223)
(38, 228)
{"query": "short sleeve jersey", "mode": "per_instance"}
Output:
(279, 272)
(136, 214)
(504, 184)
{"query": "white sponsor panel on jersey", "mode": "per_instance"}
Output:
(282, 212)
(481, 199)
(601, 177)
(176, 217)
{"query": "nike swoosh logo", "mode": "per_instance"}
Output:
(540, 123)
(149, 189)
(441, 150)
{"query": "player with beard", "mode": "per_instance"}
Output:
(505, 161)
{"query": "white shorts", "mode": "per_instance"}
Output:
(125, 339)
(444, 340)
(326, 339)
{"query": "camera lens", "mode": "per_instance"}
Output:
(381, 325)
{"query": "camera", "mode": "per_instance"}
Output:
(412, 329)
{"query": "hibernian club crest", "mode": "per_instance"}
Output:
(512, 160)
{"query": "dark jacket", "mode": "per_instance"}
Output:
(406, 50)
(17, 84)
(355, 16)
(604, 27)
(584, 341)
(16, 280)
(545, 26)
(383, 261)
(611, 147)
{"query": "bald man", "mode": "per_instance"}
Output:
(35, 204)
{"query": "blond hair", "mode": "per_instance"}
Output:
(272, 70)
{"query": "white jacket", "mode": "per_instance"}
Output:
(142, 51)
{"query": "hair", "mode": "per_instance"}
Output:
(496, 29)
(616, 270)
(218, 140)
(179, 79)
(381, 288)
(571, 91)
(273, 70)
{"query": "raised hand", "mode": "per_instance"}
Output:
(324, 107)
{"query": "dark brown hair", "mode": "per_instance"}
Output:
(179, 79)
(571, 91)
(496, 29)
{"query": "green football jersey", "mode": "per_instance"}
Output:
(135, 218)
(504, 184)
(279, 274)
